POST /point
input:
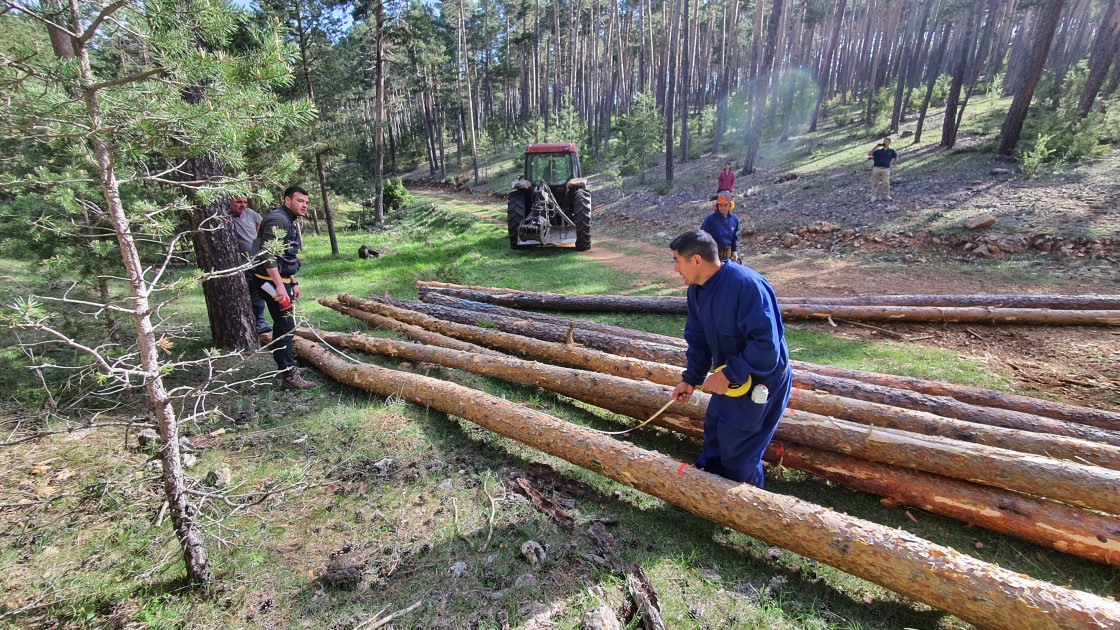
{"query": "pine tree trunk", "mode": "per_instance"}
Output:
(182, 512)
(378, 117)
(1017, 113)
(671, 88)
(1106, 43)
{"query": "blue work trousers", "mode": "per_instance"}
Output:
(737, 431)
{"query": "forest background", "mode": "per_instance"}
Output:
(127, 125)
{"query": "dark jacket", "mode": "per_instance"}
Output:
(287, 263)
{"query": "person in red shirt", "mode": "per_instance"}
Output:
(726, 181)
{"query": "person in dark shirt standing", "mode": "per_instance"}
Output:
(723, 227)
(246, 227)
(726, 179)
(883, 157)
(733, 324)
(275, 276)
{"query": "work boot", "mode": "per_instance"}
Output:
(293, 380)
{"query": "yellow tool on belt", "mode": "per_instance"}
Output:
(735, 390)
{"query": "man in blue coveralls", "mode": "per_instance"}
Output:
(734, 326)
(724, 227)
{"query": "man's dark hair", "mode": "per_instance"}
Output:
(696, 242)
(291, 190)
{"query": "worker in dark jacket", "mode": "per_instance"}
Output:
(724, 227)
(734, 326)
(276, 277)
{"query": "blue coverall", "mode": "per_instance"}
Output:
(725, 231)
(733, 320)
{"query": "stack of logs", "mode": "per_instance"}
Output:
(1042, 471)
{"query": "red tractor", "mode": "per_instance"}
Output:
(550, 203)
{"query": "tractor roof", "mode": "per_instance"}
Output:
(552, 147)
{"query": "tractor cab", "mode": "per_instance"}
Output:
(550, 203)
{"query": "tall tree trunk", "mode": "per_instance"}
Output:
(671, 87)
(378, 117)
(469, 110)
(959, 67)
(825, 71)
(934, 70)
(182, 511)
(1017, 113)
(686, 29)
(305, 66)
(757, 99)
(1106, 43)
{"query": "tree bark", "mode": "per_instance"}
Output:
(953, 315)
(975, 591)
(671, 88)
(1105, 45)
(440, 299)
(1065, 528)
(972, 395)
(379, 121)
(549, 332)
(825, 70)
(997, 300)
(674, 355)
(232, 324)
(1017, 113)
(574, 356)
(950, 408)
(182, 511)
(926, 423)
(1077, 484)
(678, 305)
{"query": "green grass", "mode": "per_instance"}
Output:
(446, 495)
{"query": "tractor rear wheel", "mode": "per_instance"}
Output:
(515, 214)
(581, 216)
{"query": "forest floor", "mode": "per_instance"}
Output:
(819, 236)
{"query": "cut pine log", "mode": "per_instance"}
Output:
(970, 395)
(876, 414)
(939, 405)
(951, 408)
(1005, 300)
(531, 300)
(793, 311)
(1062, 527)
(973, 395)
(440, 299)
(975, 591)
(951, 315)
(996, 300)
(540, 330)
(925, 423)
(562, 353)
(1083, 485)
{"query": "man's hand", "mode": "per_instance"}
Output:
(282, 296)
(295, 291)
(682, 392)
(715, 384)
